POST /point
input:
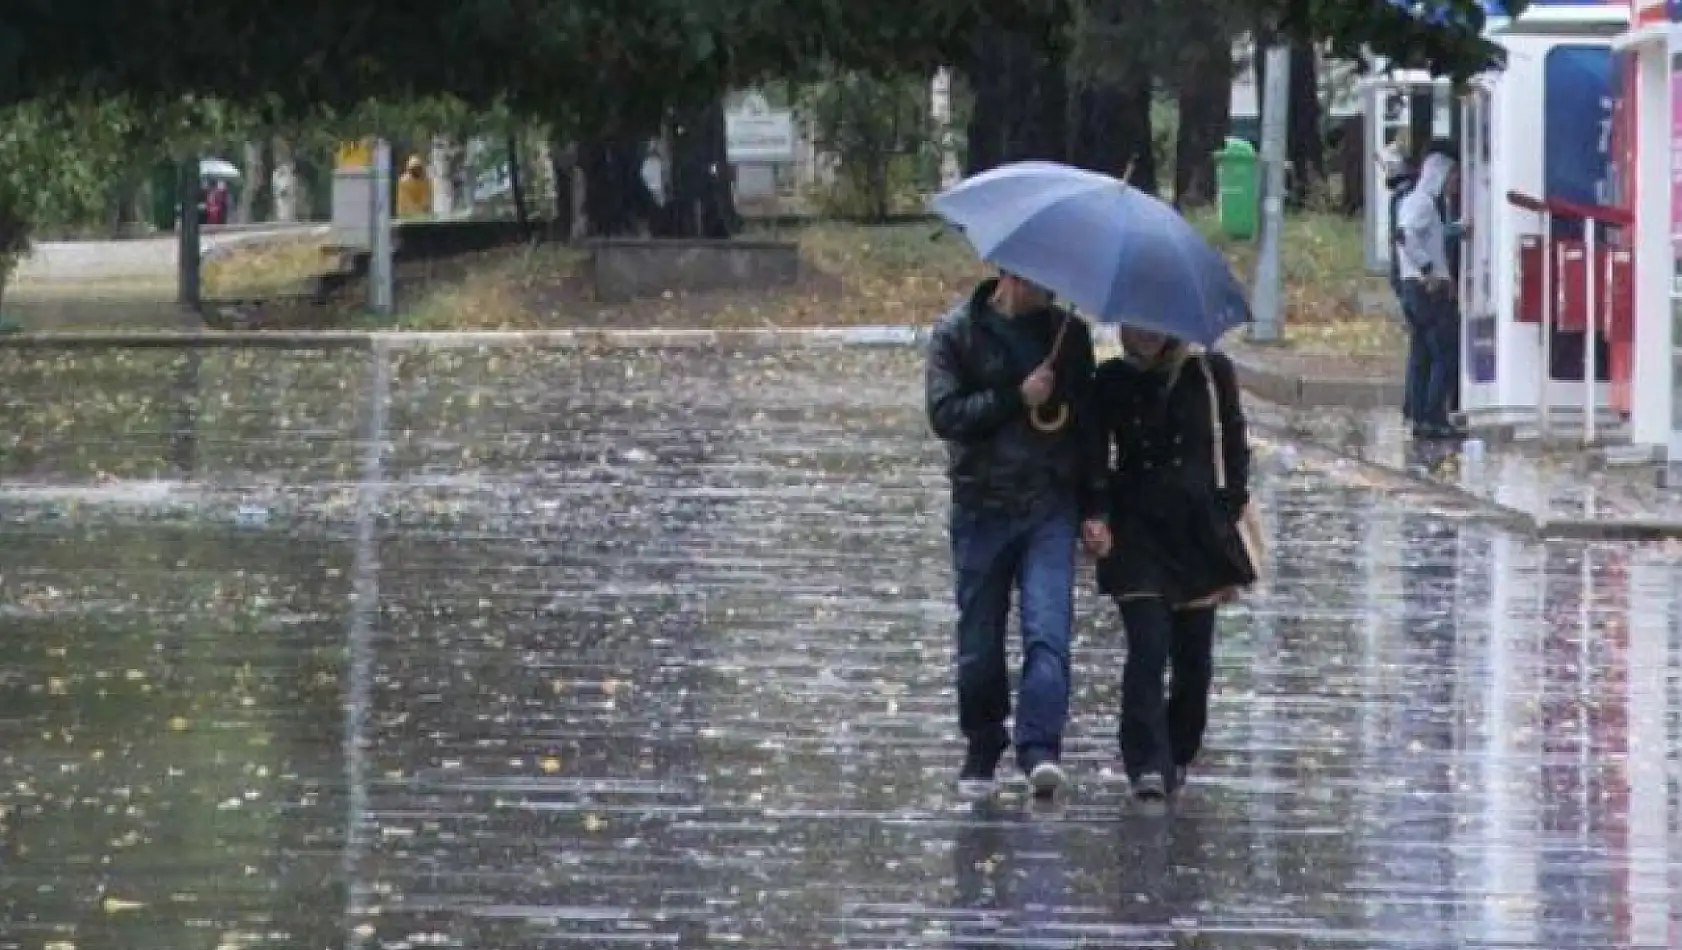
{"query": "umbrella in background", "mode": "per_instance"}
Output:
(1115, 252)
(218, 168)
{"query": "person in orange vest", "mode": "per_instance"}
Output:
(414, 190)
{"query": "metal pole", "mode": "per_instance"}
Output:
(379, 220)
(1378, 227)
(188, 288)
(1550, 308)
(1267, 294)
(1591, 328)
(189, 294)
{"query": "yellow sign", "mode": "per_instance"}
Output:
(355, 156)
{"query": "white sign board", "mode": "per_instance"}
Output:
(754, 133)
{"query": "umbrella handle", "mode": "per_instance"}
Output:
(1052, 424)
(1036, 418)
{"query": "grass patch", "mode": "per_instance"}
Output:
(262, 268)
(1324, 262)
(906, 273)
(498, 290)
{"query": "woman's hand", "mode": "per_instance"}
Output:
(1095, 534)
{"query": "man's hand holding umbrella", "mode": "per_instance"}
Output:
(1037, 390)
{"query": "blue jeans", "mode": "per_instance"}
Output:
(1433, 367)
(1033, 554)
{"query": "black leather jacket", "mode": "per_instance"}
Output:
(996, 459)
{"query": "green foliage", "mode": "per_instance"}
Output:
(855, 198)
(867, 123)
(57, 160)
(1456, 49)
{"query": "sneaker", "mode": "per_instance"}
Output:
(981, 763)
(1046, 778)
(1149, 789)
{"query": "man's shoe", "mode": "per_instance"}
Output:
(981, 764)
(1441, 432)
(1046, 778)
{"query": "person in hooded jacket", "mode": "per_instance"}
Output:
(1429, 292)
(1174, 419)
(1025, 494)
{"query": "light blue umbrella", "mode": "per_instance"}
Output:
(1115, 252)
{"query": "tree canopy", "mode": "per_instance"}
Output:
(604, 62)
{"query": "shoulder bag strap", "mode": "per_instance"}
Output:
(1218, 455)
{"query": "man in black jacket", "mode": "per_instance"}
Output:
(1022, 495)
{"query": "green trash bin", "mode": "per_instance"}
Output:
(1236, 180)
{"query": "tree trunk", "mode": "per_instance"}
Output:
(1305, 144)
(284, 182)
(561, 161)
(986, 128)
(516, 191)
(1352, 165)
(121, 203)
(255, 175)
(443, 183)
(1021, 102)
(616, 201)
(1205, 100)
(701, 203)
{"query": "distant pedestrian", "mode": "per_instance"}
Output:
(414, 190)
(216, 203)
(1179, 488)
(1428, 286)
(1008, 388)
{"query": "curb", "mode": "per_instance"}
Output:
(1622, 529)
(880, 335)
(1295, 391)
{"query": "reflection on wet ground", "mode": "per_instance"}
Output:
(651, 650)
(1562, 482)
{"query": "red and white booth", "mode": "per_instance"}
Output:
(1650, 100)
(1548, 346)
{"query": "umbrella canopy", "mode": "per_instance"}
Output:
(218, 168)
(1117, 253)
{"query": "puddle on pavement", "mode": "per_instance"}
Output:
(654, 651)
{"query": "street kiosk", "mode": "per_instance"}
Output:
(1547, 344)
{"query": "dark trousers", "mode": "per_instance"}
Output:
(1159, 733)
(1032, 554)
(1433, 364)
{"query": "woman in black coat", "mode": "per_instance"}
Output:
(1176, 553)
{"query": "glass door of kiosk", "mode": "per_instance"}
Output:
(1478, 303)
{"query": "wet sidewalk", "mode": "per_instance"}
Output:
(1563, 490)
(652, 649)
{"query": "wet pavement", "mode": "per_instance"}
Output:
(1557, 483)
(651, 649)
